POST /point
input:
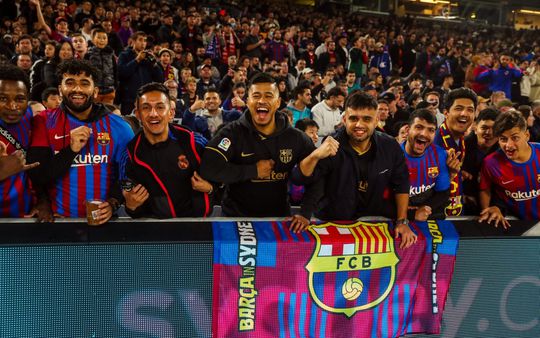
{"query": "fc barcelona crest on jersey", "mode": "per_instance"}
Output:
(103, 138)
(285, 155)
(353, 267)
(433, 172)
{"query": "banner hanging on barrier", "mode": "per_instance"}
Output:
(333, 280)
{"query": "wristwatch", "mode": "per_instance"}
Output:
(402, 221)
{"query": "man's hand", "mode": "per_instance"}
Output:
(198, 104)
(104, 213)
(453, 162)
(491, 214)
(136, 197)
(200, 184)
(141, 56)
(422, 213)
(328, 148)
(466, 175)
(264, 168)
(237, 102)
(42, 211)
(298, 223)
(34, 2)
(14, 163)
(408, 237)
(79, 137)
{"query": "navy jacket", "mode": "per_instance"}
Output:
(133, 75)
(335, 180)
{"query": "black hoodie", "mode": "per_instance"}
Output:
(231, 158)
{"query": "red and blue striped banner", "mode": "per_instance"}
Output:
(333, 280)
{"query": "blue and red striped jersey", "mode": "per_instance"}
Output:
(427, 173)
(15, 190)
(516, 185)
(95, 167)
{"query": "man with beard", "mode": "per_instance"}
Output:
(254, 156)
(511, 173)
(362, 172)
(79, 145)
(479, 144)
(162, 163)
(460, 105)
(428, 172)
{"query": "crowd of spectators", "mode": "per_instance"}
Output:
(206, 54)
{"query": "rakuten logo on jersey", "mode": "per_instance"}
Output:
(523, 195)
(89, 159)
(421, 189)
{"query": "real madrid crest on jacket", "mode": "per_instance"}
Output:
(231, 157)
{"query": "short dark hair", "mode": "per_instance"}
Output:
(211, 89)
(24, 37)
(136, 35)
(336, 91)
(48, 92)
(359, 99)
(488, 114)
(11, 72)
(382, 101)
(304, 124)
(239, 85)
(460, 93)
(262, 77)
(423, 114)
(77, 67)
(299, 90)
(97, 30)
(508, 120)
(152, 87)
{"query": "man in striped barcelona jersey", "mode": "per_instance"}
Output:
(512, 173)
(79, 145)
(428, 172)
(15, 123)
(459, 107)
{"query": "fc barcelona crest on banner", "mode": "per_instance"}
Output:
(353, 267)
(103, 138)
(285, 155)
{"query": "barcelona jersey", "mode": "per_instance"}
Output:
(516, 185)
(94, 168)
(15, 190)
(427, 173)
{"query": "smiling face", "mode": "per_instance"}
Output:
(13, 100)
(154, 112)
(263, 102)
(360, 124)
(484, 133)
(421, 135)
(460, 116)
(78, 93)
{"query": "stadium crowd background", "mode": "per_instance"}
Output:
(315, 57)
